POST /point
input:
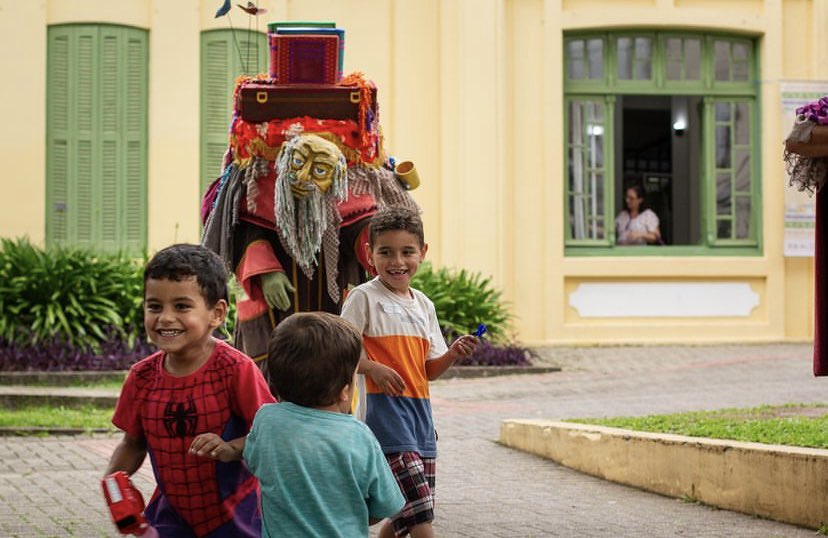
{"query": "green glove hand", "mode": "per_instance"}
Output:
(276, 286)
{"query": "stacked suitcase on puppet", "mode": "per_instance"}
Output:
(305, 83)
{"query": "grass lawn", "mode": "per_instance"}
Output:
(795, 424)
(86, 417)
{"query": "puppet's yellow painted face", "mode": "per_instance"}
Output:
(313, 162)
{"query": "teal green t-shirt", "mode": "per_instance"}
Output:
(321, 473)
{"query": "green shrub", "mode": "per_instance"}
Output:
(463, 300)
(70, 294)
(233, 288)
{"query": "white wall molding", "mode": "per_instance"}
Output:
(663, 299)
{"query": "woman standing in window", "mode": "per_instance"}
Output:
(636, 225)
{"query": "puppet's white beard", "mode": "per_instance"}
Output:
(301, 223)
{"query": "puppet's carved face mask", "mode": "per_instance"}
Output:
(312, 165)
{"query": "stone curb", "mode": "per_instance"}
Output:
(60, 379)
(18, 399)
(783, 483)
(469, 372)
(8, 431)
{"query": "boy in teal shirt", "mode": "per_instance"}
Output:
(321, 472)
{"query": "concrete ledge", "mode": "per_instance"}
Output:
(44, 431)
(787, 484)
(59, 379)
(467, 372)
(14, 397)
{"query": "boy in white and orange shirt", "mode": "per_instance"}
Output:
(405, 350)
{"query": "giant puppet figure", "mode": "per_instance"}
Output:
(290, 215)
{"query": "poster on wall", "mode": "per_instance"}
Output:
(800, 207)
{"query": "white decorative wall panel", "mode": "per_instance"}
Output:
(663, 299)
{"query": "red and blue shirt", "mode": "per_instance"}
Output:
(209, 497)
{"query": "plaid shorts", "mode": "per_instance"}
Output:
(415, 476)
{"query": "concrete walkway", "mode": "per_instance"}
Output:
(50, 486)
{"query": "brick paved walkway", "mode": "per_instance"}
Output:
(50, 487)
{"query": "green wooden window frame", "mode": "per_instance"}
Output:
(225, 54)
(720, 67)
(96, 132)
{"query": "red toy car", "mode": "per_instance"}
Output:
(126, 504)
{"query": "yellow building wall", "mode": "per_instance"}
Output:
(471, 91)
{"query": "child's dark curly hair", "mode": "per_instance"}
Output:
(181, 261)
(395, 219)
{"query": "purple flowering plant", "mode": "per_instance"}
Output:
(816, 112)
(488, 354)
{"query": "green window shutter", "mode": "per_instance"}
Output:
(223, 58)
(110, 143)
(58, 166)
(85, 120)
(133, 191)
(96, 128)
(589, 171)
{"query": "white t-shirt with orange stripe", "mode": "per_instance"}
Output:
(402, 334)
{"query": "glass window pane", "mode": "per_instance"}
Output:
(722, 111)
(643, 71)
(743, 217)
(723, 228)
(595, 48)
(740, 71)
(576, 124)
(596, 114)
(723, 194)
(577, 224)
(643, 58)
(586, 170)
(576, 49)
(692, 59)
(741, 159)
(741, 121)
(674, 49)
(721, 59)
(740, 52)
(576, 69)
(596, 145)
(624, 58)
(673, 70)
(643, 48)
(576, 59)
(723, 146)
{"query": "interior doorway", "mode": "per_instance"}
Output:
(657, 139)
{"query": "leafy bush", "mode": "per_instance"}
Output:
(463, 300)
(68, 295)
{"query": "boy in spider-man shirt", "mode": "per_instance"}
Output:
(191, 404)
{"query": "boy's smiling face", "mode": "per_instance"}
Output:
(396, 255)
(179, 321)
